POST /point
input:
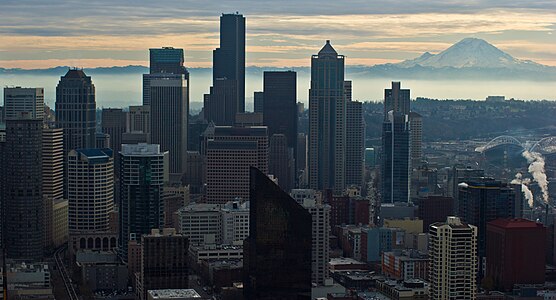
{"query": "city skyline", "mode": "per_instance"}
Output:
(367, 34)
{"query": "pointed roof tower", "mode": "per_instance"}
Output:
(328, 50)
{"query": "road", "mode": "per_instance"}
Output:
(70, 290)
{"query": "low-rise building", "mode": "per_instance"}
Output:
(405, 265)
(215, 252)
(102, 270)
(408, 289)
(28, 280)
(173, 294)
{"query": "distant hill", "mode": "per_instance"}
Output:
(470, 58)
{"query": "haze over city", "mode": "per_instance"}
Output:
(277, 150)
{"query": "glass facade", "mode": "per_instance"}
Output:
(277, 259)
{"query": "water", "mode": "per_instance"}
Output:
(124, 90)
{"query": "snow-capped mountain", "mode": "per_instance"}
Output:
(470, 53)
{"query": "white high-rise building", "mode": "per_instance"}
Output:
(235, 222)
(321, 234)
(90, 190)
(453, 260)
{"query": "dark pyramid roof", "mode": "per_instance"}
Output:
(75, 73)
(327, 50)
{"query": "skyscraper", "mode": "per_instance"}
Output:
(90, 190)
(220, 106)
(483, 200)
(23, 205)
(281, 162)
(320, 214)
(227, 96)
(395, 168)
(76, 110)
(143, 171)
(277, 253)
(229, 152)
(327, 121)
(139, 119)
(18, 99)
(167, 60)
(280, 105)
(258, 102)
(396, 99)
(453, 260)
(355, 142)
(169, 103)
(114, 123)
(229, 59)
(416, 124)
(52, 177)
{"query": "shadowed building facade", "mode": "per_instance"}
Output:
(76, 110)
(327, 121)
(23, 196)
(277, 257)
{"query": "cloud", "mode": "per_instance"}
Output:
(365, 31)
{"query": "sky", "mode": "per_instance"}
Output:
(41, 34)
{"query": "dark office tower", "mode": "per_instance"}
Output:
(114, 123)
(228, 153)
(515, 253)
(23, 199)
(139, 119)
(395, 168)
(484, 200)
(281, 162)
(277, 259)
(142, 177)
(280, 105)
(169, 96)
(457, 175)
(348, 90)
(301, 160)
(434, 209)
(76, 110)
(355, 142)
(258, 99)
(167, 60)
(327, 121)
(396, 99)
(163, 261)
(220, 106)
(229, 59)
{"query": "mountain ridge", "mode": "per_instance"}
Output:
(470, 58)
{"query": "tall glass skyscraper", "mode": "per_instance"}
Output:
(277, 253)
(143, 171)
(228, 72)
(76, 110)
(396, 137)
(167, 60)
(327, 121)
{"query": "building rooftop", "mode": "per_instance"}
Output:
(515, 223)
(327, 49)
(201, 207)
(141, 149)
(344, 261)
(174, 293)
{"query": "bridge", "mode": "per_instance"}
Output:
(545, 146)
(497, 141)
